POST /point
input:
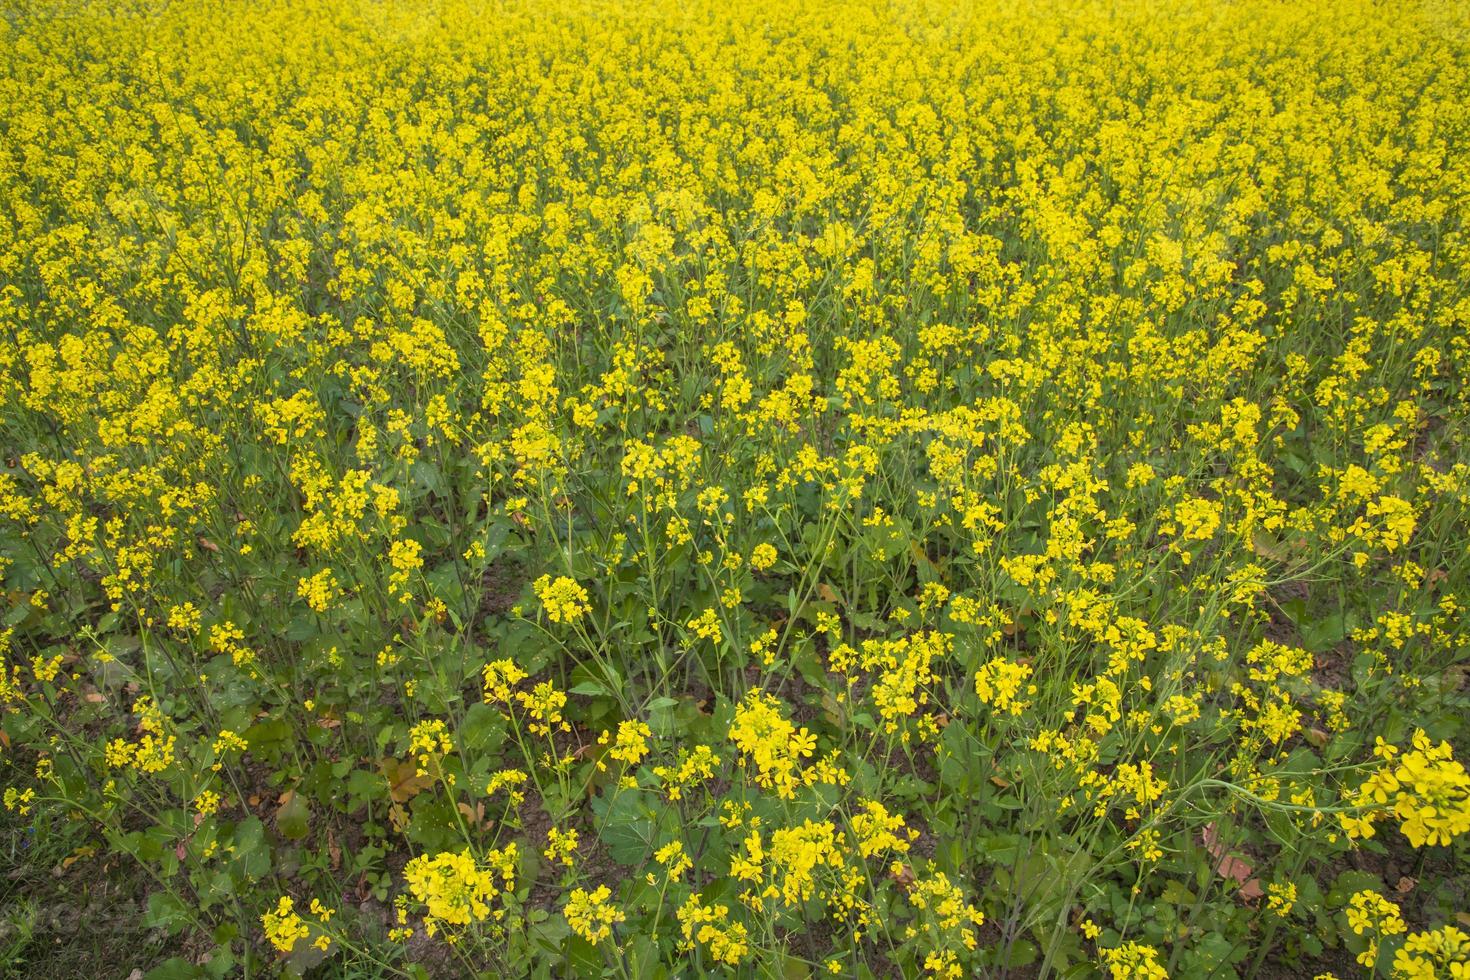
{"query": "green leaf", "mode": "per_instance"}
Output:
(174, 968)
(293, 819)
(1023, 952)
(482, 731)
(253, 854)
(628, 829)
(581, 957)
(166, 912)
(1175, 893)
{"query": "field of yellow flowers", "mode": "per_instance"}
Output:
(779, 489)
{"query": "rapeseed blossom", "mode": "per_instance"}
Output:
(684, 487)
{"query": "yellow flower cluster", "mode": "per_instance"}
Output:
(1369, 913)
(499, 677)
(709, 926)
(564, 599)
(591, 915)
(999, 684)
(1133, 961)
(561, 845)
(877, 831)
(631, 743)
(776, 746)
(948, 921)
(693, 766)
(319, 590)
(153, 752)
(283, 927)
(543, 705)
(1433, 954)
(836, 466)
(429, 740)
(1425, 788)
(456, 889)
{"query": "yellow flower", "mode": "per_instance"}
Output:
(509, 780)
(207, 802)
(543, 704)
(46, 669)
(429, 739)
(762, 557)
(1281, 898)
(631, 744)
(561, 845)
(590, 914)
(283, 927)
(1430, 955)
(877, 830)
(726, 941)
(564, 600)
(19, 801)
(499, 677)
(1371, 913)
(319, 590)
(1133, 961)
(1001, 684)
(673, 858)
(456, 889)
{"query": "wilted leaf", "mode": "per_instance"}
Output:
(293, 818)
(77, 855)
(476, 817)
(1229, 866)
(1268, 547)
(404, 782)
